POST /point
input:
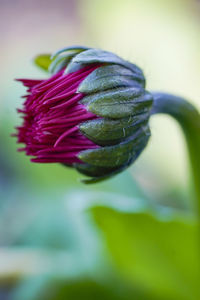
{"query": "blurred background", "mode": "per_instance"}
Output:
(133, 236)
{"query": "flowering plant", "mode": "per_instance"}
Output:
(92, 114)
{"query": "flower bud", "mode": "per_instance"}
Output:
(92, 113)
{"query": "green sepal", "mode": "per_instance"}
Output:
(109, 175)
(74, 49)
(108, 77)
(106, 83)
(106, 176)
(74, 67)
(114, 156)
(93, 56)
(100, 174)
(43, 61)
(96, 179)
(111, 131)
(93, 171)
(113, 96)
(60, 62)
(119, 103)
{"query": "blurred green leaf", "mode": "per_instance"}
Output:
(144, 251)
(156, 251)
(43, 61)
(52, 288)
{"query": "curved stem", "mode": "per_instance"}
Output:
(189, 119)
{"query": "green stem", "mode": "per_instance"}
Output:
(189, 119)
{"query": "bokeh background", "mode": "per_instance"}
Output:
(134, 236)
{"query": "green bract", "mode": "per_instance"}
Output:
(115, 92)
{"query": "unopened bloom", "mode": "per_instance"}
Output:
(92, 113)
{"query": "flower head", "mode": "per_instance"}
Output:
(92, 113)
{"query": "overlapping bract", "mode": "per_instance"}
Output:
(103, 98)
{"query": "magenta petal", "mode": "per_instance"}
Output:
(51, 115)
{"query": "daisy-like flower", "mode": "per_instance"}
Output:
(91, 113)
